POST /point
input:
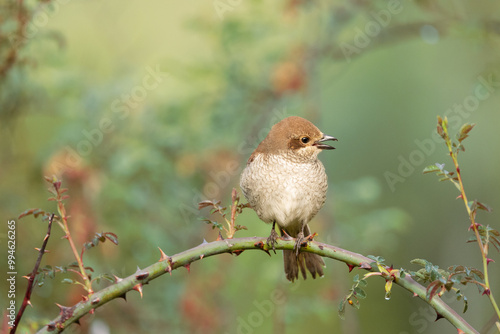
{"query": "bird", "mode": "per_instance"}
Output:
(286, 184)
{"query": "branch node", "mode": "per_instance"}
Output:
(261, 246)
(365, 265)
(141, 275)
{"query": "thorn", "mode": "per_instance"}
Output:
(169, 269)
(163, 256)
(472, 226)
(260, 245)
(51, 327)
(45, 251)
(95, 301)
(415, 294)
(285, 235)
(201, 256)
(27, 277)
(237, 252)
(219, 237)
(124, 296)
(117, 279)
(488, 260)
(138, 288)
(78, 322)
(486, 292)
(364, 265)
(351, 266)
(29, 303)
(85, 298)
(459, 196)
(438, 316)
(92, 311)
(142, 275)
(204, 241)
(65, 312)
(188, 267)
(321, 247)
(460, 331)
(310, 237)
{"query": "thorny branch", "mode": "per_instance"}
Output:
(31, 279)
(69, 315)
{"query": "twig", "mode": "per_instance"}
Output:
(69, 315)
(443, 131)
(31, 279)
(60, 197)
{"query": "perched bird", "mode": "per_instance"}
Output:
(285, 183)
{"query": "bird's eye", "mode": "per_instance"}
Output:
(304, 140)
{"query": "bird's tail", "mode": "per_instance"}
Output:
(313, 262)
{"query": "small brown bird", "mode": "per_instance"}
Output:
(285, 183)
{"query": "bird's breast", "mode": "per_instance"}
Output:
(283, 190)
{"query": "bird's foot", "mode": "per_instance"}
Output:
(271, 241)
(299, 241)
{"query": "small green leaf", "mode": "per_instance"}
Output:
(464, 131)
(420, 262)
(67, 281)
(360, 293)
(341, 311)
(111, 237)
(363, 283)
(483, 206)
(378, 259)
(431, 169)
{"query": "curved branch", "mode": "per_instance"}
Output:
(69, 315)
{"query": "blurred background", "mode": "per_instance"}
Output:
(145, 109)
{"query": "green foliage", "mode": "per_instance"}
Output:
(483, 236)
(440, 280)
(355, 293)
(101, 237)
(488, 235)
(235, 209)
(84, 272)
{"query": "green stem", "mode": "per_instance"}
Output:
(472, 218)
(62, 211)
(69, 315)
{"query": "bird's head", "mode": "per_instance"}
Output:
(296, 137)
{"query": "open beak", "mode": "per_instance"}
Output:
(324, 146)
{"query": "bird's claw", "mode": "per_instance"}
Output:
(271, 241)
(299, 241)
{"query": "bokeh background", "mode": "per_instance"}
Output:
(146, 108)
